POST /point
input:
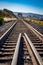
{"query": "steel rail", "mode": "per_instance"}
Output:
(38, 34)
(5, 35)
(34, 50)
(15, 57)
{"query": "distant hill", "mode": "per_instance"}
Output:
(31, 15)
(6, 13)
(35, 16)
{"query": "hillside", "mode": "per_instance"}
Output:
(6, 13)
(31, 15)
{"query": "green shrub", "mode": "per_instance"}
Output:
(1, 21)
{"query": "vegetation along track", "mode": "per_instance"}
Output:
(21, 49)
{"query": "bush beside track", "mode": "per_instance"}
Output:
(34, 21)
(1, 21)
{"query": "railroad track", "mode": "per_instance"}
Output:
(37, 27)
(38, 44)
(25, 54)
(5, 27)
(16, 49)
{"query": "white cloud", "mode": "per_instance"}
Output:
(20, 8)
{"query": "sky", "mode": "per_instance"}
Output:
(26, 6)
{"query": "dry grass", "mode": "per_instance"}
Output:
(34, 21)
(6, 19)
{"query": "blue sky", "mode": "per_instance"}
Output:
(28, 6)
